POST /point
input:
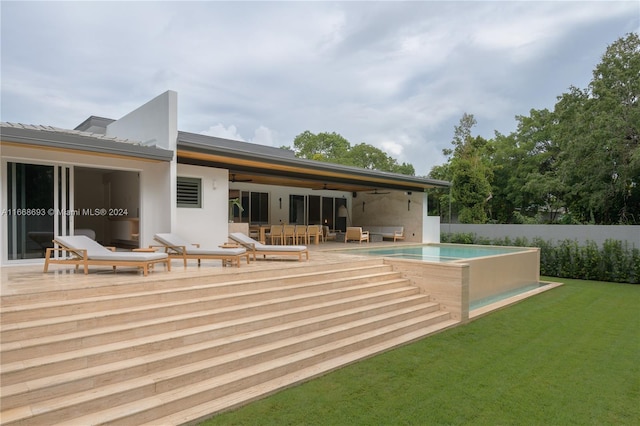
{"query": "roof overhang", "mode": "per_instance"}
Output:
(56, 139)
(272, 166)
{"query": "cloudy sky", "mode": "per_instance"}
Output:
(396, 75)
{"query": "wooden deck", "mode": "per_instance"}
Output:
(27, 279)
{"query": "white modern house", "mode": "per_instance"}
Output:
(122, 181)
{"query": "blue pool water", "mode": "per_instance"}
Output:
(436, 253)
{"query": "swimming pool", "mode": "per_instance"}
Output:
(464, 279)
(437, 253)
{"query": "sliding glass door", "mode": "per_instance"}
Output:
(37, 202)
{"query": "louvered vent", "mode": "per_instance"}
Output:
(189, 192)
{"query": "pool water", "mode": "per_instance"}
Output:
(504, 295)
(437, 253)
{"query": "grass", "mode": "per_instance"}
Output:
(569, 356)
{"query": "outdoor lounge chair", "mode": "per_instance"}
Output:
(255, 247)
(83, 251)
(177, 248)
(355, 233)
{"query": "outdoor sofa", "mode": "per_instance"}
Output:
(387, 232)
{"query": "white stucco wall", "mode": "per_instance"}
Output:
(155, 123)
(430, 224)
(208, 225)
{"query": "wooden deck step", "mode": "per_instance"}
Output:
(90, 305)
(216, 377)
(38, 388)
(171, 352)
(153, 283)
(12, 352)
(42, 330)
(198, 413)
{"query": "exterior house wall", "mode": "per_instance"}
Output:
(397, 208)
(157, 201)
(208, 225)
(154, 123)
(154, 178)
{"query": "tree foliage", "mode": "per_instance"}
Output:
(579, 163)
(470, 172)
(333, 148)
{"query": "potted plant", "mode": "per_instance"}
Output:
(234, 202)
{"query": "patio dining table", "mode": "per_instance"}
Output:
(261, 230)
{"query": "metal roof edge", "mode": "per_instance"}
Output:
(218, 142)
(74, 142)
(199, 145)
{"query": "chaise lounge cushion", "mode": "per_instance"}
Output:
(258, 246)
(176, 243)
(95, 251)
(83, 251)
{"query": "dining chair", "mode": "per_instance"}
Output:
(288, 234)
(314, 232)
(301, 234)
(276, 234)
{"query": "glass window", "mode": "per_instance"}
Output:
(297, 209)
(255, 206)
(259, 207)
(314, 210)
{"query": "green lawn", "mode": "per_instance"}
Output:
(567, 356)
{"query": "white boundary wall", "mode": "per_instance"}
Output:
(554, 233)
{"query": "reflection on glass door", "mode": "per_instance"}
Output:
(39, 206)
(297, 211)
(30, 204)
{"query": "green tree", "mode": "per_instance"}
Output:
(615, 89)
(598, 134)
(525, 175)
(327, 147)
(441, 202)
(470, 172)
(333, 148)
(369, 157)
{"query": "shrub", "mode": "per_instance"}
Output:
(614, 261)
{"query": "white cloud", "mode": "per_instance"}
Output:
(220, 131)
(393, 148)
(264, 136)
(397, 75)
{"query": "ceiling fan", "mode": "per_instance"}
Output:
(326, 187)
(234, 180)
(376, 192)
